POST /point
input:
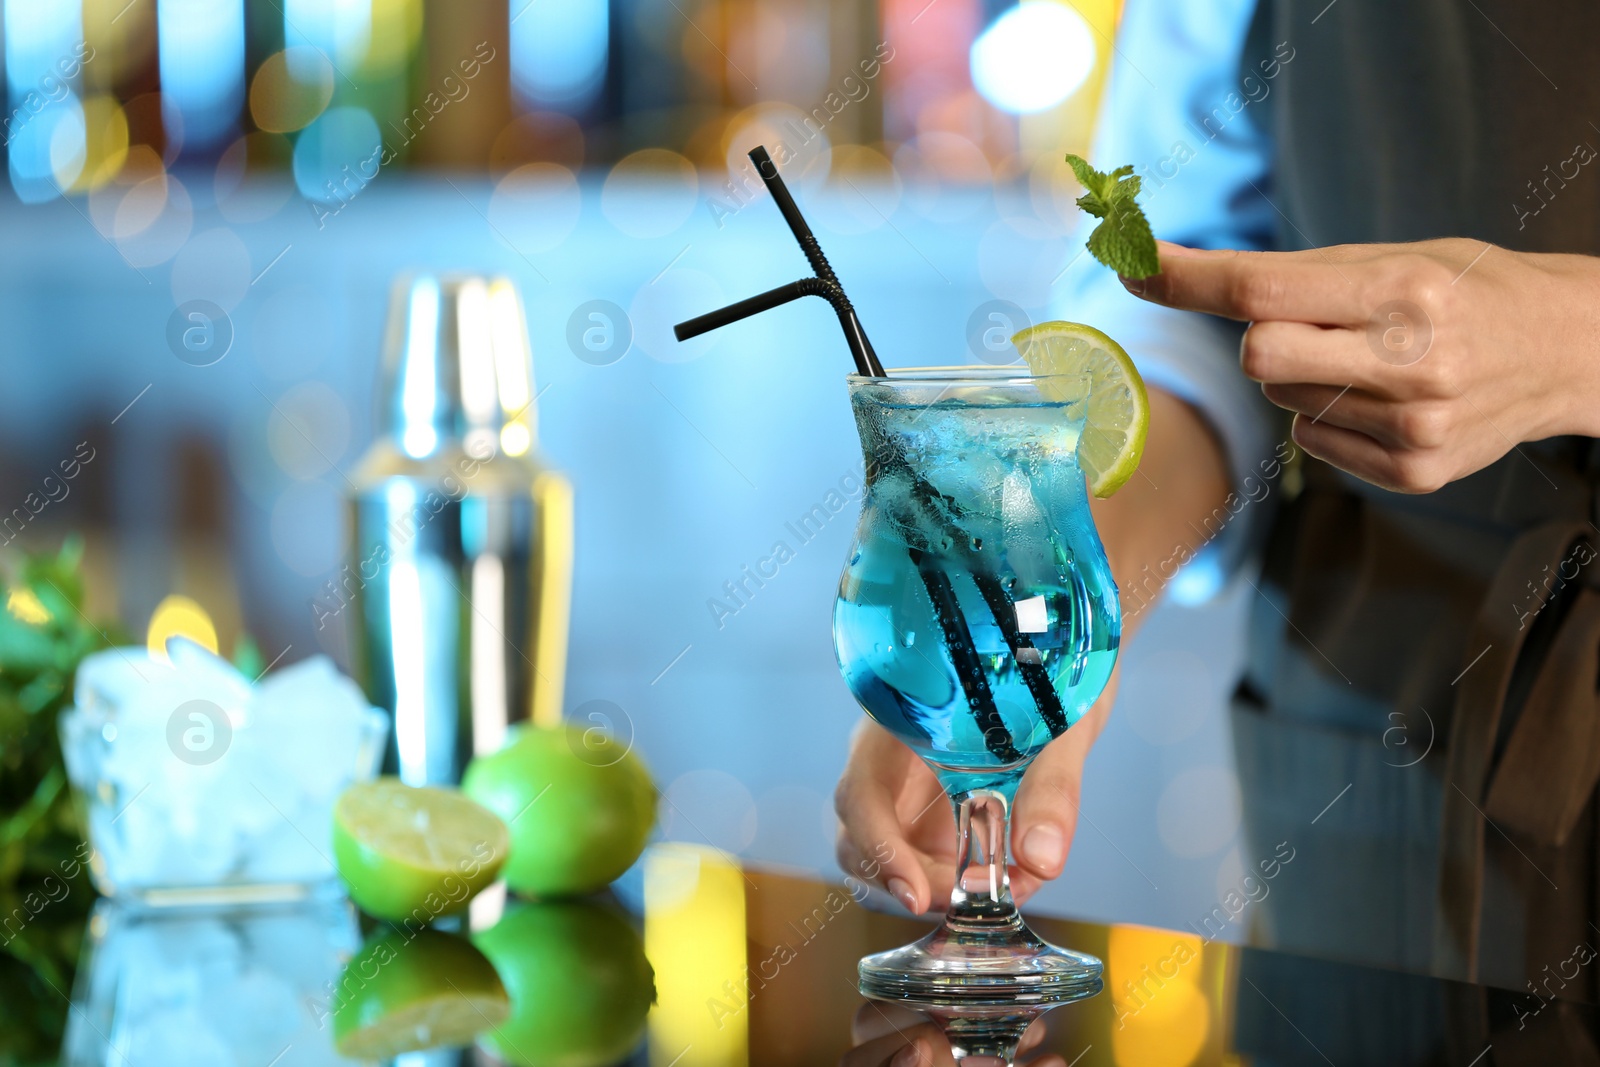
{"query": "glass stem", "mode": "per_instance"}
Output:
(981, 897)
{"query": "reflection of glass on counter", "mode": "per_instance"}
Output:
(208, 986)
(197, 785)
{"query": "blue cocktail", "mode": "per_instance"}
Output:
(976, 621)
(977, 618)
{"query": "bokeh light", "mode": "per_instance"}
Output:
(1053, 192)
(782, 49)
(535, 207)
(140, 163)
(1033, 57)
(179, 616)
(105, 146)
(540, 137)
(695, 937)
(153, 220)
(710, 807)
(140, 207)
(47, 152)
(252, 181)
(308, 431)
(650, 193)
(290, 89)
(795, 140)
(947, 177)
(1154, 979)
(337, 155)
(931, 45)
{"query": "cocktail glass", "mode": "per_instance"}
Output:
(976, 621)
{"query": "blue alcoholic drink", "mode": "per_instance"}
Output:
(977, 620)
(975, 514)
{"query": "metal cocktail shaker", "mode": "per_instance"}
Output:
(461, 539)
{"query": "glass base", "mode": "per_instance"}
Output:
(982, 1036)
(987, 963)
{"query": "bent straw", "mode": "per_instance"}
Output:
(825, 283)
(941, 592)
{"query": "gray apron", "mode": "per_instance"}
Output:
(1432, 661)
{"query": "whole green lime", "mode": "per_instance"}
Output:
(579, 983)
(406, 992)
(578, 803)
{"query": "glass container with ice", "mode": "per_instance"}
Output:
(198, 787)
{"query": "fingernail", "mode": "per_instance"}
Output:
(1136, 286)
(900, 889)
(1044, 847)
(910, 1056)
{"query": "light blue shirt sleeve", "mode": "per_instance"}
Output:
(1178, 107)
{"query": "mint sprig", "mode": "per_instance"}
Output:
(1123, 241)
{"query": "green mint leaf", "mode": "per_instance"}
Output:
(1091, 180)
(1123, 241)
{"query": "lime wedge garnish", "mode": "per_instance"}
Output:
(415, 853)
(1118, 407)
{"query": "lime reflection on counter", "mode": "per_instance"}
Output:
(403, 993)
(579, 803)
(413, 854)
(579, 982)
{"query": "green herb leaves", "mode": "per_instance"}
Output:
(1123, 240)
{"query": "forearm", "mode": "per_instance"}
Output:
(1156, 522)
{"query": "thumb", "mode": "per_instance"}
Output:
(1046, 815)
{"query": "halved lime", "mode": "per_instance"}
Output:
(1119, 408)
(404, 992)
(414, 853)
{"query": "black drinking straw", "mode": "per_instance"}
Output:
(941, 593)
(825, 283)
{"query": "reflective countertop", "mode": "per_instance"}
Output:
(750, 966)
